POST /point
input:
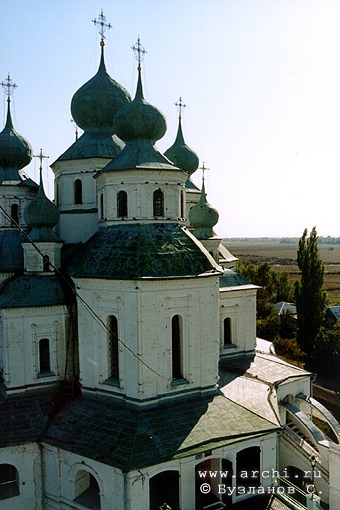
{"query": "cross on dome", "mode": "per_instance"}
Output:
(204, 169)
(180, 107)
(41, 156)
(9, 87)
(139, 51)
(103, 25)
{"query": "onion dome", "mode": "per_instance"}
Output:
(140, 125)
(181, 155)
(203, 217)
(139, 119)
(95, 104)
(42, 215)
(15, 151)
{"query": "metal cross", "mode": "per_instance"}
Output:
(101, 21)
(180, 107)
(139, 52)
(9, 86)
(204, 169)
(41, 156)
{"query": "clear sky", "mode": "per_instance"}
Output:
(260, 78)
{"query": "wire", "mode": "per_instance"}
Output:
(74, 291)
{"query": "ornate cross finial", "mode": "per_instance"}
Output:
(41, 156)
(103, 25)
(9, 86)
(180, 107)
(204, 169)
(139, 52)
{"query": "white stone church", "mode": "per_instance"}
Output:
(131, 376)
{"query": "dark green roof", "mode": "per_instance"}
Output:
(181, 155)
(11, 252)
(140, 154)
(31, 290)
(124, 436)
(133, 251)
(94, 143)
(231, 278)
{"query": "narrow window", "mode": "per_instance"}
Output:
(158, 203)
(227, 338)
(177, 372)
(46, 263)
(15, 213)
(182, 204)
(113, 348)
(9, 481)
(101, 206)
(44, 356)
(56, 194)
(122, 209)
(78, 192)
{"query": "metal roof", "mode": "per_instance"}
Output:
(134, 251)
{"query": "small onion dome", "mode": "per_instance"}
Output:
(42, 215)
(15, 151)
(203, 217)
(181, 155)
(96, 103)
(139, 120)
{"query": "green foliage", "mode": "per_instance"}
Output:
(310, 298)
(289, 348)
(274, 287)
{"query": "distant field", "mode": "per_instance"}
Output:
(282, 256)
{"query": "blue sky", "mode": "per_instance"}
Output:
(260, 78)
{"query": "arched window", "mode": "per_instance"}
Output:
(87, 490)
(15, 213)
(158, 203)
(113, 348)
(182, 204)
(249, 460)
(46, 263)
(122, 205)
(78, 191)
(176, 337)
(227, 337)
(9, 481)
(164, 490)
(44, 356)
(101, 206)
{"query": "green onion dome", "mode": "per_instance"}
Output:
(42, 215)
(15, 151)
(139, 120)
(181, 155)
(96, 103)
(203, 217)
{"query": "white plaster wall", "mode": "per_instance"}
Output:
(26, 459)
(144, 310)
(22, 328)
(140, 186)
(138, 481)
(77, 221)
(334, 476)
(33, 261)
(240, 306)
(60, 469)
(20, 195)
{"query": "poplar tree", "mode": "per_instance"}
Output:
(309, 295)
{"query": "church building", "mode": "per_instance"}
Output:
(131, 377)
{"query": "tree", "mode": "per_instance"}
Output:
(309, 296)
